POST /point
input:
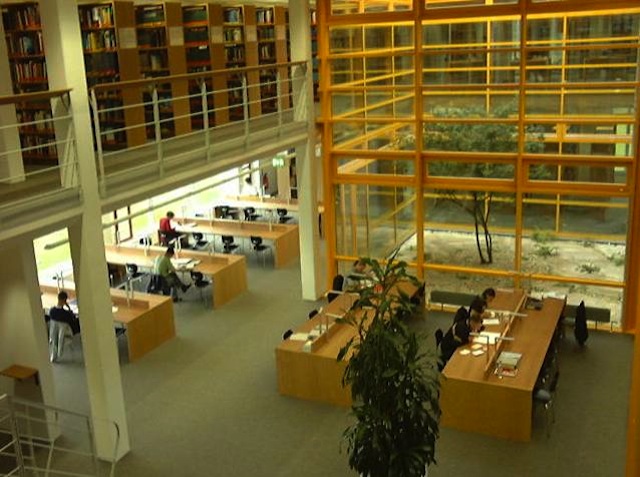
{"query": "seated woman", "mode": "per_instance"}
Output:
(458, 335)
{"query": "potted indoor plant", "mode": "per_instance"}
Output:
(394, 383)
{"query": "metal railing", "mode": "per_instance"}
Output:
(166, 117)
(41, 154)
(41, 440)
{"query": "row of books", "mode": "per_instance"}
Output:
(151, 14)
(194, 14)
(267, 52)
(234, 54)
(233, 34)
(25, 44)
(30, 116)
(264, 16)
(102, 63)
(30, 70)
(47, 148)
(153, 61)
(233, 15)
(266, 34)
(199, 34)
(98, 40)
(21, 18)
(152, 38)
(101, 16)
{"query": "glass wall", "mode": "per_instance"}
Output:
(506, 140)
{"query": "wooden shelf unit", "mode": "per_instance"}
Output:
(283, 54)
(108, 61)
(314, 55)
(266, 36)
(235, 54)
(23, 35)
(160, 39)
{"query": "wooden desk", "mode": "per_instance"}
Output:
(228, 272)
(148, 318)
(474, 401)
(316, 375)
(283, 237)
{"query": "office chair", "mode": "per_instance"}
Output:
(439, 336)
(145, 241)
(282, 216)
(227, 212)
(313, 313)
(259, 247)
(544, 393)
(200, 283)
(198, 241)
(227, 244)
(250, 214)
(59, 334)
(337, 285)
(287, 334)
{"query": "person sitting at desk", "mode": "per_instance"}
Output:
(356, 277)
(63, 314)
(481, 303)
(458, 335)
(168, 232)
(165, 269)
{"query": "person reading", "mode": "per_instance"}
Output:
(356, 277)
(459, 335)
(165, 269)
(62, 313)
(168, 231)
(481, 302)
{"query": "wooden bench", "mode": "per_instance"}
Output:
(447, 299)
(595, 314)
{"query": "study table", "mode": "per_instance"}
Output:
(283, 237)
(227, 272)
(316, 374)
(147, 318)
(474, 399)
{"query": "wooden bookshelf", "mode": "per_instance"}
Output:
(252, 56)
(235, 55)
(314, 55)
(23, 34)
(107, 60)
(160, 39)
(266, 35)
(283, 54)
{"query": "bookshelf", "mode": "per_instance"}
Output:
(23, 35)
(266, 36)
(314, 55)
(195, 21)
(235, 56)
(108, 61)
(160, 39)
(283, 54)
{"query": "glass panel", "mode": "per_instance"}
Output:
(577, 173)
(465, 3)
(610, 27)
(385, 37)
(450, 228)
(353, 165)
(464, 282)
(346, 70)
(465, 104)
(345, 40)
(372, 220)
(346, 7)
(462, 169)
(372, 103)
(593, 296)
(351, 135)
(607, 102)
(542, 103)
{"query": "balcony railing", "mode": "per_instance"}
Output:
(153, 127)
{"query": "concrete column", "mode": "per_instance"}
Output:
(284, 182)
(11, 165)
(313, 282)
(23, 333)
(61, 32)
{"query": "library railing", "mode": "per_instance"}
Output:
(38, 156)
(149, 128)
(36, 439)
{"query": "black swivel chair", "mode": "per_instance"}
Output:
(439, 336)
(313, 313)
(282, 216)
(336, 286)
(227, 244)
(199, 243)
(287, 334)
(200, 283)
(250, 214)
(259, 247)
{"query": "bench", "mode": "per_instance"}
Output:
(595, 314)
(450, 299)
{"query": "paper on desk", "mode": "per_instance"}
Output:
(299, 337)
(188, 225)
(491, 321)
(484, 335)
(477, 352)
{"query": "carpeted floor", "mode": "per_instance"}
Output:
(206, 404)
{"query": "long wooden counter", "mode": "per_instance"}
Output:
(228, 272)
(316, 375)
(283, 237)
(148, 318)
(476, 400)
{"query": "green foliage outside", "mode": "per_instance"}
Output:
(394, 383)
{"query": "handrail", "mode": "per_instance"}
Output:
(25, 97)
(192, 76)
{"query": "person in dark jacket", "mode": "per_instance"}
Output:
(63, 314)
(459, 335)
